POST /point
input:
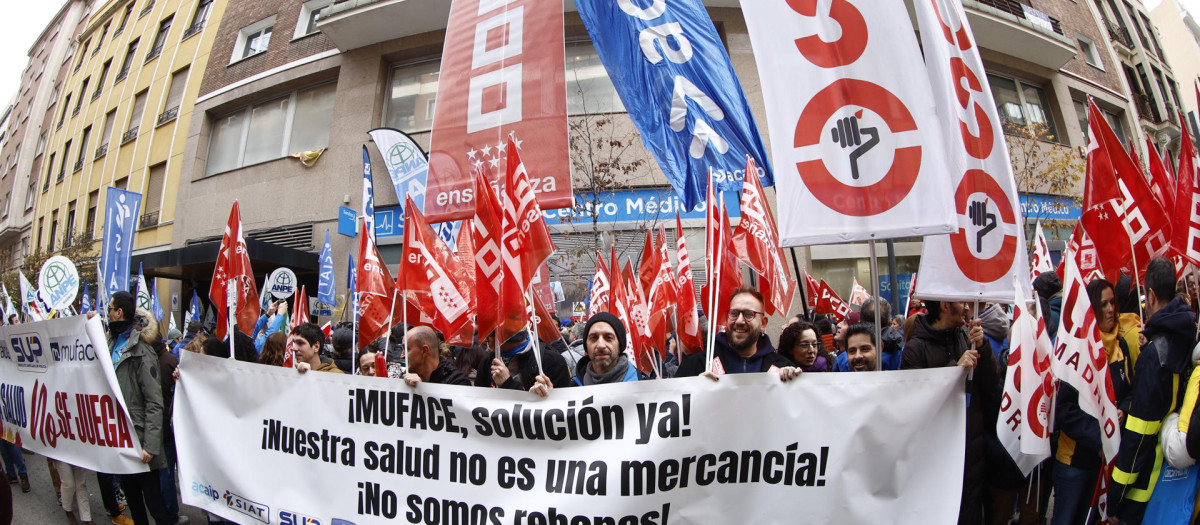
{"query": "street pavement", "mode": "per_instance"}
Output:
(40, 506)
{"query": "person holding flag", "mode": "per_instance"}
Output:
(742, 347)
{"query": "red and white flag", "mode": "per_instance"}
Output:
(814, 289)
(524, 245)
(858, 293)
(233, 262)
(986, 253)
(1024, 423)
(1040, 262)
(649, 263)
(464, 252)
(485, 232)
(1161, 182)
(1185, 236)
(828, 302)
(662, 294)
(299, 317)
(721, 265)
(546, 329)
(503, 77)
(374, 286)
(686, 315)
(601, 290)
(639, 325)
(1079, 359)
(427, 270)
(756, 241)
(858, 151)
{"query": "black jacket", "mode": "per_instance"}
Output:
(1159, 381)
(765, 357)
(928, 347)
(1079, 442)
(553, 365)
(447, 374)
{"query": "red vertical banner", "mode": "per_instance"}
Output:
(503, 76)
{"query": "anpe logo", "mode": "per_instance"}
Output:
(253, 509)
(287, 517)
(206, 490)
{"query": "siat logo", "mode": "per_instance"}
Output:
(253, 509)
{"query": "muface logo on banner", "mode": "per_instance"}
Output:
(858, 149)
(120, 212)
(282, 283)
(670, 67)
(979, 260)
(503, 76)
(58, 282)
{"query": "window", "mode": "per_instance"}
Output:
(90, 223)
(125, 64)
(49, 173)
(1114, 120)
(1088, 49)
(109, 118)
(253, 39)
(53, 230)
(411, 97)
(199, 17)
(310, 13)
(70, 231)
(82, 95)
(135, 117)
(62, 166)
(66, 105)
(152, 202)
(41, 145)
(124, 18)
(53, 96)
(7, 201)
(589, 90)
(164, 28)
(103, 75)
(82, 54)
(273, 129)
(83, 145)
(100, 41)
(174, 97)
(1153, 37)
(30, 193)
(1022, 107)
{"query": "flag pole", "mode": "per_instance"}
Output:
(803, 294)
(354, 336)
(533, 341)
(404, 333)
(714, 290)
(1137, 279)
(875, 294)
(231, 293)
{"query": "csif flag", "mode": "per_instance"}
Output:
(374, 291)
(721, 266)
(601, 291)
(233, 263)
(1024, 423)
(687, 316)
(1185, 235)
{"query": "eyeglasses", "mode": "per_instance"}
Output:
(748, 314)
(808, 346)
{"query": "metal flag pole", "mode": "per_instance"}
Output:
(533, 340)
(801, 286)
(404, 332)
(231, 293)
(354, 334)
(714, 290)
(875, 293)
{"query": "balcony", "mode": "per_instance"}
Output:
(78, 165)
(193, 29)
(148, 220)
(1119, 34)
(101, 151)
(1146, 109)
(1019, 30)
(129, 136)
(359, 23)
(167, 116)
(145, 11)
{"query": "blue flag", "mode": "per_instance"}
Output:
(155, 306)
(350, 274)
(85, 304)
(120, 214)
(193, 312)
(325, 285)
(676, 80)
(368, 195)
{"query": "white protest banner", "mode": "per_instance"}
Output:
(261, 444)
(858, 151)
(58, 282)
(978, 261)
(59, 396)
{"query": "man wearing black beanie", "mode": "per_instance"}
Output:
(605, 362)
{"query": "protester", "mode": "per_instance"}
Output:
(272, 324)
(860, 347)
(193, 328)
(366, 363)
(1164, 363)
(799, 343)
(74, 495)
(274, 350)
(307, 340)
(1129, 306)
(243, 347)
(516, 369)
(343, 351)
(469, 359)
(938, 339)
(742, 347)
(130, 337)
(168, 363)
(996, 325)
(606, 361)
(893, 339)
(1079, 456)
(1048, 286)
(576, 350)
(425, 362)
(14, 463)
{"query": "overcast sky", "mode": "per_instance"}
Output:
(19, 27)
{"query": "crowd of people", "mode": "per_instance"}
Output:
(1148, 345)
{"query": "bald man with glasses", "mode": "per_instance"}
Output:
(742, 347)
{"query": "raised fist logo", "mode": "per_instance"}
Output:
(848, 134)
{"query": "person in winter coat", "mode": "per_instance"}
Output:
(517, 369)
(606, 360)
(425, 363)
(130, 337)
(1129, 318)
(1163, 365)
(799, 343)
(1078, 456)
(576, 350)
(742, 347)
(939, 339)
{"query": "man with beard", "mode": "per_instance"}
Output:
(742, 347)
(860, 348)
(605, 362)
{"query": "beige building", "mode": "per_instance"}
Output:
(1180, 35)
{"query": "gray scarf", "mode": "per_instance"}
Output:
(590, 377)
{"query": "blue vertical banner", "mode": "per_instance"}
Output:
(350, 277)
(193, 311)
(368, 195)
(120, 223)
(670, 67)
(155, 305)
(325, 286)
(85, 304)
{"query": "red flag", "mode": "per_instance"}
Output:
(639, 323)
(1118, 204)
(464, 255)
(233, 262)
(546, 329)
(427, 270)
(720, 260)
(615, 281)
(686, 314)
(485, 232)
(858, 293)
(299, 317)
(525, 244)
(649, 263)
(374, 287)
(814, 289)
(830, 303)
(756, 241)
(1185, 237)
(662, 294)
(601, 290)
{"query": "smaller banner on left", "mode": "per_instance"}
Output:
(59, 396)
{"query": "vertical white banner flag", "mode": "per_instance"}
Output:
(1024, 423)
(858, 151)
(978, 260)
(1041, 255)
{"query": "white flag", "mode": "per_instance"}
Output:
(858, 151)
(978, 260)
(858, 294)
(1024, 423)
(1041, 255)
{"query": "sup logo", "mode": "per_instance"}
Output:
(205, 490)
(287, 517)
(253, 509)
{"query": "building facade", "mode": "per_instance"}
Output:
(1181, 44)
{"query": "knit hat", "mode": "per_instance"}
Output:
(613, 321)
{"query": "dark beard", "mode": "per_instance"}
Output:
(745, 345)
